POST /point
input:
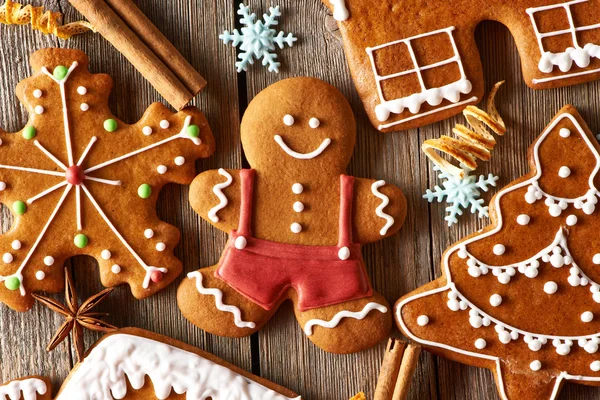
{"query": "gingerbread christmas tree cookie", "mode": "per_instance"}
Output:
(297, 224)
(81, 182)
(522, 297)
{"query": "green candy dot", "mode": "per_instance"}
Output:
(60, 72)
(144, 191)
(110, 125)
(193, 131)
(81, 240)
(12, 283)
(19, 207)
(29, 132)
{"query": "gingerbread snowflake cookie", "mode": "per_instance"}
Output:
(297, 223)
(134, 364)
(522, 297)
(81, 182)
(415, 63)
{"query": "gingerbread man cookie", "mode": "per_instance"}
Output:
(81, 182)
(416, 62)
(521, 297)
(297, 223)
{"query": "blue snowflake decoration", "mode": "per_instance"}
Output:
(461, 193)
(258, 39)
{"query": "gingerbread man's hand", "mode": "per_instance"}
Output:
(379, 210)
(215, 195)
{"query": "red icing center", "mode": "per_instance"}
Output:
(75, 175)
(156, 276)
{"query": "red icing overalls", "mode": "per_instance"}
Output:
(263, 271)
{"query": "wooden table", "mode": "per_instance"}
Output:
(280, 352)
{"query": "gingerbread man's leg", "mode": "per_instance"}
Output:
(347, 327)
(214, 306)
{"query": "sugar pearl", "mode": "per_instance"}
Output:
(179, 160)
(587, 316)
(564, 172)
(288, 120)
(160, 246)
(523, 219)
(161, 169)
(40, 275)
(48, 260)
(7, 258)
(147, 130)
(564, 132)
(595, 366)
(16, 245)
(39, 110)
(296, 227)
(422, 320)
(148, 233)
(495, 300)
(241, 243)
(116, 269)
(499, 249)
(105, 254)
(480, 344)
(164, 124)
(37, 93)
(550, 287)
(535, 365)
(298, 206)
(571, 220)
(82, 90)
(2, 186)
(297, 188)
(84, 107)
(314, 123)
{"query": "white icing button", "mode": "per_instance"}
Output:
(499, 249)
(160, 246)
(595, 366)
(2, 186)
(37, 93)
(298, 206)
(550, 287)
(82, 90)
(116, 269)
(587, 316)
(296, 227)
(161, 169)
(16, 245)
(241, 243)
(148, 233)
(179, 160)
(564, 132)
(48, 260)
(39, 110)
(344, 254)
(571, 220)
(40, 275)
(105, 254)
(297, 188)
(288, 120)
(596, 259)
(84, 107)
(535, 365)
(480, 344)
(422, 320)
(523, 219)
(164, 124)
(314, 123)
(147, 130)
(495, 300)
(7, 258)
(564, 172)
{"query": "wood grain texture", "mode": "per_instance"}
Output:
(397, 265)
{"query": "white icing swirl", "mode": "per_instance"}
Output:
(384, 202)
(218, 191)
(308, 328)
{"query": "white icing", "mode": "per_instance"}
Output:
(480, 344)
(106, 254)
(218, 295)
(344, 253)
(564, 172)
(564, 60)
(16, 244)
(288, 120)
(218, 191)
(161, 169)
(308, 328)
(550, 287)
(240, 243)
(7, 258)
(84, 106)
(523, 219)
(148, 233)
(297, 188)
(82, 90)
(147, 130)
(160, 246)
(298, 206)
(179, 160)
(571, 220)
(39, 110)
(302, 156)
(40, 275)
(587, 316)
(432, 96)
(340, 11)
(314, 123)
(121, 359)
(379, 210)
(2, 186)
(37, 93)
(535, 365)
(26, 389)
(116, 269)
(48, 260)
(422, 320)
(296, 227)
(164, 124)
(495, 300)
(565, 133)
(499, 249)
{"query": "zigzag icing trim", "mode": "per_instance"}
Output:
(308, 328)
(384, 203)
(218, 191)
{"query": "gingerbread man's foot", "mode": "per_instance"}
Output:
(217, 308)
(539, 386)
(347, 327)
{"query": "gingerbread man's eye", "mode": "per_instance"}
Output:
(288, 120)
(314, 123)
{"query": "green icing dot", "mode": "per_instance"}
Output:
(60, 72)
(19, 207)
(12, 283)
(193, 131)
(29, 132)
(81, 240)
(144, 191)
(110, 125)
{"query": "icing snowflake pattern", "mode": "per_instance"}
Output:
(258, 39)
(81, 190)
(461, 193)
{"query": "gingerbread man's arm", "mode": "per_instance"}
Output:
(379, 210)
(215, 195)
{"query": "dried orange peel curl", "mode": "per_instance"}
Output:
(470, 144)
(48, 22)
(359, 396)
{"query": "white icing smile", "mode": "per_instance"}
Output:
(302, 156)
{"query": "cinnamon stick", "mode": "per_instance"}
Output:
(407, 369)
(116, 31)
(158, 43)
(389, 369)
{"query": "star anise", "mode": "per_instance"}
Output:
(76, 317)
